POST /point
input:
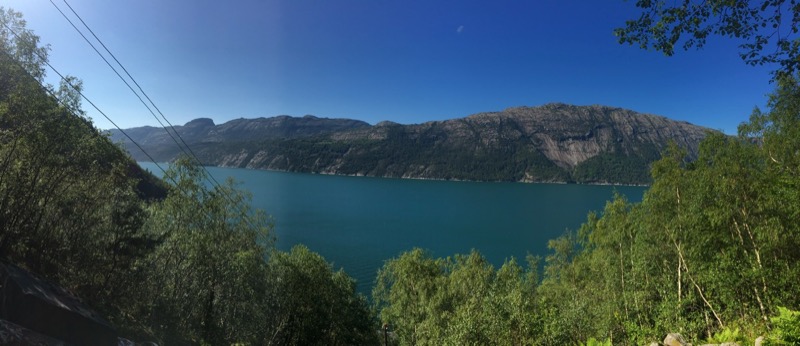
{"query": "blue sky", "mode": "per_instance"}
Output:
(406, 61)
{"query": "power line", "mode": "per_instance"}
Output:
(118, 75)
(132, 79)
(80, 93)
(191, 153)
(66, 80)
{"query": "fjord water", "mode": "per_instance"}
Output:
(359, 222)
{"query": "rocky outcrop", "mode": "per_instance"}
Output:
(567, 135)
(34, 309)
(14, 334)
(675, 339)
(551, 143)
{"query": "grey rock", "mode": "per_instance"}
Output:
(44, 307)
(14, 334)
(675, 339)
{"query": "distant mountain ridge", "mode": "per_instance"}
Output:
(550, 143)
(161, 145)
(204, 129)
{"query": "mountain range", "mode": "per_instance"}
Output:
(550, 143)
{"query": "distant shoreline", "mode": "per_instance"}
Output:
(423, 178)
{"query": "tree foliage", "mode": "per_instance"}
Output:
(208, 271)
(711, 246)
(188, 262)
(21, 44)
(786, 328)
(460, 300)
(215, 276)
(316, 305)
(767, 30)
(711, 250)
(69, 205)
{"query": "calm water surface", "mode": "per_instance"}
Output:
(357, 223)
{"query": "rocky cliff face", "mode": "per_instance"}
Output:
(570, 135)
(551, 143)
(567, 135)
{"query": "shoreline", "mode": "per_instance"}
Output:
(437, 179)
(424, 178)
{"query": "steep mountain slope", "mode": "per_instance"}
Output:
(161, 145)
(551, 143)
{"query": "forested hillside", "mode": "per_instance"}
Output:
(173, 262)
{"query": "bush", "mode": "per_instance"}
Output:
(727, 335)
(786, 328)
(595, 342)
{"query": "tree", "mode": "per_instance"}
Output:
(69, 205)
(21, 44)
(314, 305)
(196, 264)
(460, 300)
(215, 276)
(710, 247)
(766, 29)
(207, 277)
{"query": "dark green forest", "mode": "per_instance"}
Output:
(711, 252)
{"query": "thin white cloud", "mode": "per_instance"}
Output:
(460, 29)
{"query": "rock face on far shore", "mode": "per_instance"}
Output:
(551, 143)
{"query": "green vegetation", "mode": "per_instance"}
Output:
(710, 252)
(318, 306)
(69, 207)
(786, 328)
(461, 300)
(727, 335)
(766, 30)
(595, 342)
(461, 149)
(613, 167)
(184, 262)
(399, 154)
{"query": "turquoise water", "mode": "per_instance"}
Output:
(357, 223)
